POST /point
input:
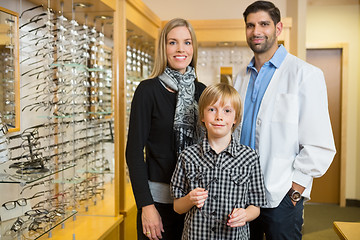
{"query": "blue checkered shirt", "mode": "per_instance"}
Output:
(233, 179)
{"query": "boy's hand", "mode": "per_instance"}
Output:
(198, 196)
(237, 218)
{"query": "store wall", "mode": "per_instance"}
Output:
(340, 24)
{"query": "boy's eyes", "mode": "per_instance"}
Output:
(210, 109)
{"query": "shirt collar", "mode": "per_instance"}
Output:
(233, 148)
(276, 59)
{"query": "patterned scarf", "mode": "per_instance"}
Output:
(186, 111)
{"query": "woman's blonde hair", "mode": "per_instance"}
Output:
(223, 92)
(160, 61)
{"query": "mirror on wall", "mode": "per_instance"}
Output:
(9, 70)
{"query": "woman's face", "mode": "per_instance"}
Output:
(179, 49)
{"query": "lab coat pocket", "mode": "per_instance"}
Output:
(286, 108)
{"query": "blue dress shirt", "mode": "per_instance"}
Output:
(258, 84)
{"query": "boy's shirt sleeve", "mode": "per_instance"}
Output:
(178, 184)
(257, 195)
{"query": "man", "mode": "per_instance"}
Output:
(285, 120)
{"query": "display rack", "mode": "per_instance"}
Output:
(67, 106)
(9, 69)
(63, 155)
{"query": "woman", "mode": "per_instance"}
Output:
(163, 120)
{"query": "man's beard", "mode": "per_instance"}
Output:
(262, 47)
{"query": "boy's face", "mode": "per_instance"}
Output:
(219, 119)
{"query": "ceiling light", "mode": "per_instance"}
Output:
(103, 17)
(82, 5)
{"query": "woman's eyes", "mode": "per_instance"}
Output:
(174, 42)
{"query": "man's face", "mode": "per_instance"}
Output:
(261, 32)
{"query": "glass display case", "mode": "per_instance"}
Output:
(9, 69)
(60, 162)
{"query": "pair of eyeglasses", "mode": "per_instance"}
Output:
(55, 146)
(42, 212)
(51, 203)
(51, 135)
(33, 166)
(43, 105)
(17, 225)
(36, 213)
(26, 145)
(4, 128)
(45, 183)
(30, 9)
(39, 223)
(23, 201)
(12, 204)
(213, 215)
(34, 19)
(26, 135)
(36, 225)
(42, 67)
(4, 155)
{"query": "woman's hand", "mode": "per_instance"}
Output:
(151, 222)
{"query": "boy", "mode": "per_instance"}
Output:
(218, 182)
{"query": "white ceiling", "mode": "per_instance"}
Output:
(203, 9)
(219, 9)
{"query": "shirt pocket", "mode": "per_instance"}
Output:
(239, 179)
(239, 176)
(201, 177)
(286, 108)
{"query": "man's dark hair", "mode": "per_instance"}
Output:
(265, 6)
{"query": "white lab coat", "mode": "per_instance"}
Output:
(293, 132)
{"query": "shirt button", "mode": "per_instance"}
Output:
(215, 197)
(258, 122)
(213, 229)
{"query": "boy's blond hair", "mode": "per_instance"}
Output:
(222, 91)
